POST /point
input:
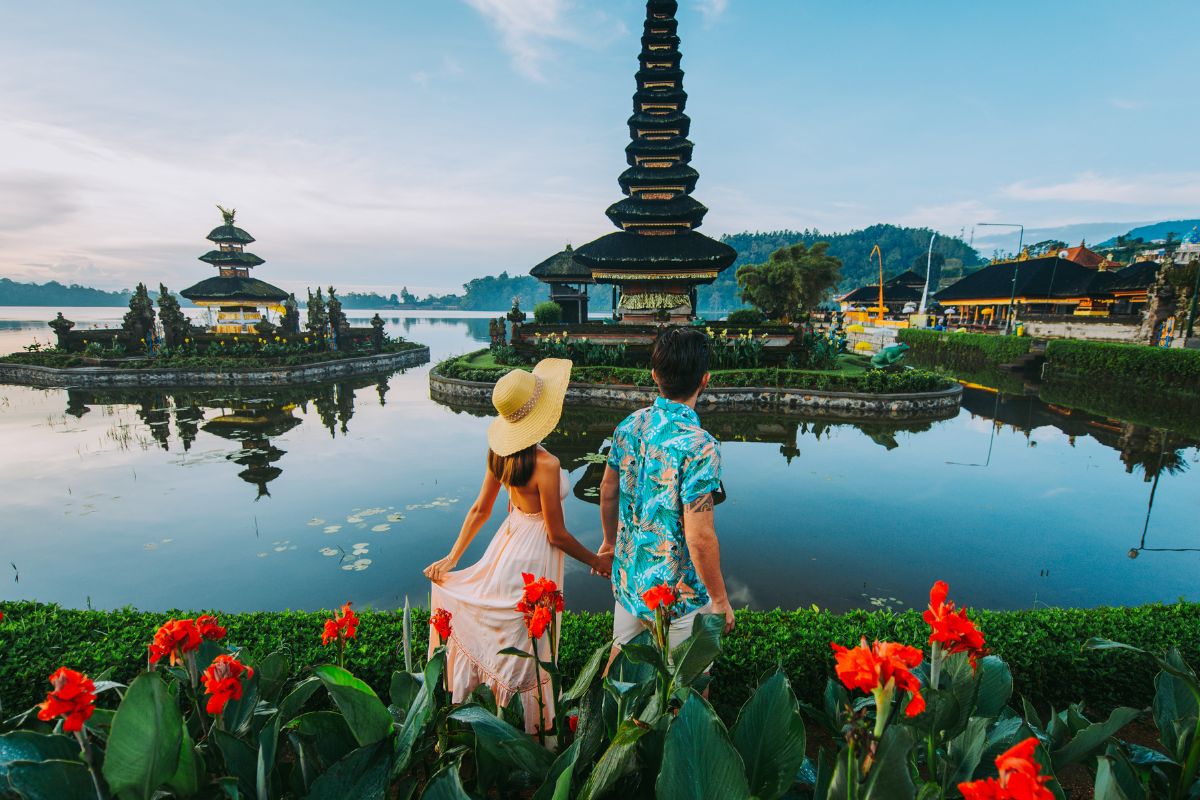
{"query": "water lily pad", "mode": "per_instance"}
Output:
(328, 551)
(316, 522)
(150, 546)
(332, 528)
(262, 555)
(354, 519)
(280, 549)
(381, 528)
(371, 512)
(396, 517)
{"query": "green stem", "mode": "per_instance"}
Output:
(537, 687)
(851, 771)
(86, 750)
(935, 665)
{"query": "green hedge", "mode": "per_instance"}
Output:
(61, 360)
(1176, 412)
(962, 350)
(1125, 365)
(1043, 646)
(872, 381)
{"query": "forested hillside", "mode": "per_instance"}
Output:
(56, 294)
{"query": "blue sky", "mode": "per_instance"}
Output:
(422, 143)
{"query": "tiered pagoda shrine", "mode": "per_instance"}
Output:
(657, 259)
(239, 301)
(569, 281)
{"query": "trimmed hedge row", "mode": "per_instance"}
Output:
(62, 360)
(871, 382)
(962, 350)
(1125, 365)
(1043, 646)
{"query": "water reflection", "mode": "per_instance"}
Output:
(250, 417)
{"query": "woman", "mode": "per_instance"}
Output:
(482, 598)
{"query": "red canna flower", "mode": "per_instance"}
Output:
(209, 629)
(538, 622)
(223, 682)
(73, 698)
(343, 626)
(441, 623)
(573, 722)
(880, 669)
(176, 638)
(951, 629)
(661, 595)
(1020, 777)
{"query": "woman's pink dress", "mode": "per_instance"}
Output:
(482, 600)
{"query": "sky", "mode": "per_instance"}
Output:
(421, 143)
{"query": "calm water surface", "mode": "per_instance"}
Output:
(303, 498)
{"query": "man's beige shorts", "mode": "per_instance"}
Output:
(627, 627)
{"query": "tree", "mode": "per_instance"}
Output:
(794, 278)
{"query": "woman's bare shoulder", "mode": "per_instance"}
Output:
(547, 461)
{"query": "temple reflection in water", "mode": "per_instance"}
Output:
(250, 417)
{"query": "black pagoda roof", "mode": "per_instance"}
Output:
(1044, 277)
(562, 268)
(1134, 278)
(231, 258)
(892, 293)
(658, 237)
(234, 289)
(229, 234)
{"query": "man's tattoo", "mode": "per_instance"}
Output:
(701, 504)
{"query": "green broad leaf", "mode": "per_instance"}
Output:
(329, 733)
(190, 770)
(241, 762)
(272, 673)
(1174, 703)
(515, 651)
(498, 740)
(965, 752)
(617, 760)
(1107, 786)
(404, 689)
(294, 701)
(239, 714)
(824, 778)
(889, 778)
(697, 653)
(31, 746)
(1092, 740)
(53, 779)
(362, 775)
(144, 744)
(483, 696)
(995, 687)
(365, 713)
(1097, 643)
(1031, 715)
(1003, 734)
(268, 741)
(419, 714)
(588, 674)
(626, 669)
(769, 736)
(644, 654)
(446, 785)
(557, 785)
(697, 737)
(514, 713)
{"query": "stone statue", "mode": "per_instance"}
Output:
(175, 324)
(318, 321)
(377, 333)
(889, 356)
(291, 315)
(139, 320)
(61, 327)
(515, 314)
(339, 326)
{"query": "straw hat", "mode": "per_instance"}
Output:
(529, 404)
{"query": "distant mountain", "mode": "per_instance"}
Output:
(1157, 230)
(54, 293)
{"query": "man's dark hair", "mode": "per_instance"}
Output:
(680, 360)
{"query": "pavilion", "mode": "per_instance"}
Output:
(657, 259)
(240, 301)
(898, 292)
(569, 281)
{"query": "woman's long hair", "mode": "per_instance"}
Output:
(514, 470)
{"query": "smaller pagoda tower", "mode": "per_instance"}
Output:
(240, 302)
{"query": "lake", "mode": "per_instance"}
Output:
(303, 498)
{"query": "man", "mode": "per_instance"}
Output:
(656, 499)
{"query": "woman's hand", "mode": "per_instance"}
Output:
(602, 565)
(440, 569)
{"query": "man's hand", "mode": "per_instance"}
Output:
(603, 564)
(723, 607)
(440, 569)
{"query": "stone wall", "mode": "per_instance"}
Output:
(877, 338)
(1090, 330)
(832, 405)
(28, 375)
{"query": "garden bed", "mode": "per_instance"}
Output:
(1042, 646)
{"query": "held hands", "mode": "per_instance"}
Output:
(602, 565)
(440, 569)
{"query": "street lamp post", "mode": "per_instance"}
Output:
(1012, 301)
(928, 275)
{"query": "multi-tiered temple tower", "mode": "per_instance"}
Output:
(658, 259)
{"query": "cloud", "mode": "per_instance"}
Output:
(712, 9)
(1155, 190)
(947, 216)
(530, 29)
(1125, 104)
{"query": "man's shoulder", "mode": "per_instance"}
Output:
(634, 420)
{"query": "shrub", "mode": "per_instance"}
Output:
(548, 313)
(961, 350)
(1124, 365)
(745, 316)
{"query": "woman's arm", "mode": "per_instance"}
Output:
(548, 478)
(478, 514)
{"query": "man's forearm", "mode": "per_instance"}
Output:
(706, 556)
(608, 522)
